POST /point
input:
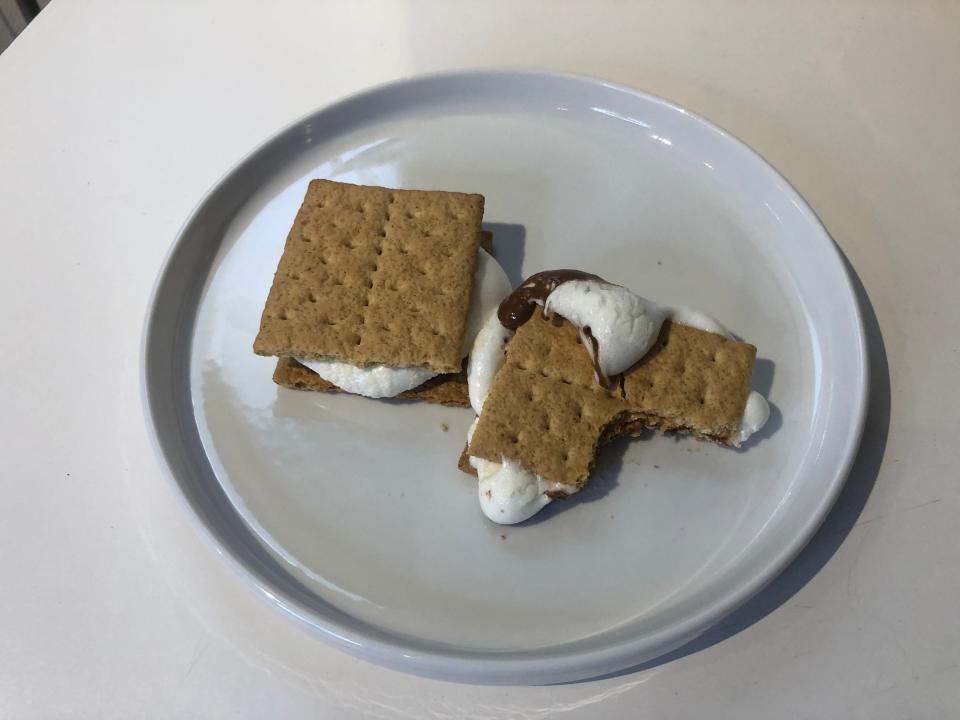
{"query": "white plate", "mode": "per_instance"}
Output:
(350, 513)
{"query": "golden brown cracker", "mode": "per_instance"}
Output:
(371, 275)
(463, 464)
(623, 425)
(544, 408)
(445, 389)
(692, 380)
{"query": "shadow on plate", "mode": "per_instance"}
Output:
(604, 479)
(839, 521)
(508, 242)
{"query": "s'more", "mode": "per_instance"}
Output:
(380, 292)
(570, 362)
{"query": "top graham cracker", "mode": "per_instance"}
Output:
(545, 409)
(371, 275)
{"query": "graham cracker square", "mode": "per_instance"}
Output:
(692, 381)
(371, 275)
(544, 409)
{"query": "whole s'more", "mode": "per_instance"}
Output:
(381, 292)
(570, 361)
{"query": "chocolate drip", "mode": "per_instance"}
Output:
(517, 308)
(593, 350)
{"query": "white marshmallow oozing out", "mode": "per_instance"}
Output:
(624, 324)
(755, 416)
(490, 286)
(373, 381)
(485, 360)
(508, 492)
(694, 318)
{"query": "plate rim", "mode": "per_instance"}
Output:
(524, 667)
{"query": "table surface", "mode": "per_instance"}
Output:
(117, 117)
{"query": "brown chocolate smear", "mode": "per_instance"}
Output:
(593, 350)
(517, 308)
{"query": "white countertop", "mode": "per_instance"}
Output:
(117, 116)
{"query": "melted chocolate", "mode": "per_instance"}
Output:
(594, 352)
(517, 308)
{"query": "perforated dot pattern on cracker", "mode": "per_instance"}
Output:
(372, 275)
(692, 380)
(545, 409)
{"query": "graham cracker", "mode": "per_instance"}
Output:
(619, 427)
(449, 389)
(444, 389)
(692, 381)
(546, 410)
(371, 275)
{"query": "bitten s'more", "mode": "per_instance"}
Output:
(380, 292)
(571, 361)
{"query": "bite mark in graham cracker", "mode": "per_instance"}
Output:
(449, 389)
(692, 381)
(546, 410)
(371, 275)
